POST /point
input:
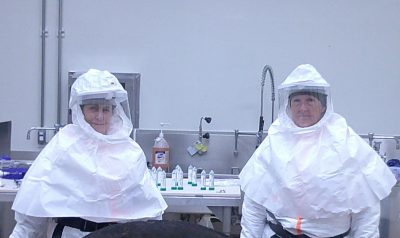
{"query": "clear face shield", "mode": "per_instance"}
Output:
(304, 106)
(103, 113)
(98, 113)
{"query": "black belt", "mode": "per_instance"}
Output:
(282, 233)
(78, 223)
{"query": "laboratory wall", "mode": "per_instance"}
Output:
(202, 58)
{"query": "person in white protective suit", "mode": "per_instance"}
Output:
(312, 176)
(91, 174)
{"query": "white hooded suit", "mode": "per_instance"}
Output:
(83, 173)
(320, 180)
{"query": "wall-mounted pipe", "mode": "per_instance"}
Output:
(44, 34)
(60, 36)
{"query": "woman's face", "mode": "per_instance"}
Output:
(306, 110)
(98, 116)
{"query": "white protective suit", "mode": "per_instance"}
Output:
(318, 180)
(83, 173)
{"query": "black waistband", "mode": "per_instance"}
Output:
(78, 223)
(282, 233)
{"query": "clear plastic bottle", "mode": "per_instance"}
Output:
(194, 176)
(203, 176)
(211, 185)
(163, 186)
(174, 180)
(190, 170)
(159, 176)
(180, 179)
(154, 175)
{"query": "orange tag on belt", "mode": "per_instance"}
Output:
(298, 225)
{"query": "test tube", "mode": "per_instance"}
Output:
(194, 176)
(211, 185)
(190, 169)
(203, 180)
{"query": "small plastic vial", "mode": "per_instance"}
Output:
(211, 185)
(163, 181)
(190, 169)
(203, 180)
(174, 180)
(194, 176)
(159, 176)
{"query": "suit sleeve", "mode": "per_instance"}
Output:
(365, 224)
(254, 219)
(29, 227)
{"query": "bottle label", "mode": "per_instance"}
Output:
(161, 157)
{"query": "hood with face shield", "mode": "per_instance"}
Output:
(304, 80)
(92, 168)
(317, 171)
(101, 89)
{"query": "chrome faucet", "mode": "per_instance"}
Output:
(267, 69)
(206, 135)
(198, 147)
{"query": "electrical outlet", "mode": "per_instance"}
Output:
(41, 137)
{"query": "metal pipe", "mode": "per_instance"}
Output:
(59, 58)
(237, 133)
(235, 150)
(372, 136)
(56, 128)
(43, 59)
(28, 134)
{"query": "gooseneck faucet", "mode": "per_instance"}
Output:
(206, 135)
(267, 69)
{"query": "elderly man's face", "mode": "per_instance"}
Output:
(306, 110)
(98, 116)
